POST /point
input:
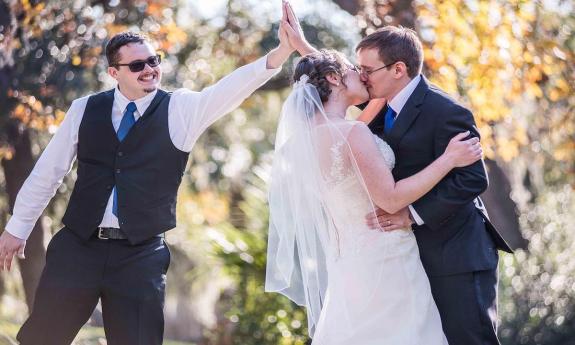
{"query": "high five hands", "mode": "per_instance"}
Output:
(279, 55)
(292, 28)
(291, 38)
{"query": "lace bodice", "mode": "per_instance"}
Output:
(386, 152)
(349, 200)
(340, 169)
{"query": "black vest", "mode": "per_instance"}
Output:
(145, 167)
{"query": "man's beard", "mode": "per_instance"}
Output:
(150, 90)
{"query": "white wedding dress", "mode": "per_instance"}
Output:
(377, 290)
(359, 286)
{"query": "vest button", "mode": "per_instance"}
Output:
(118, 171)
(109, 187)
(120, 154)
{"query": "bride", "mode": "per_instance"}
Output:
(359, 286)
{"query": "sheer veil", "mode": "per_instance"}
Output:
(312, 160)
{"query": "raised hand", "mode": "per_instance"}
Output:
(283, 37)
(463, 152)
(294, 31)
(10, 246)
(279, 55)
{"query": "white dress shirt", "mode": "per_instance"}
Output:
(397, 103)
(190, 113)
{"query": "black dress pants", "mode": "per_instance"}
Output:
(129, 279)
(467, 305)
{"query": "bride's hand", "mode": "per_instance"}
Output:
(279, 55)
(285, 43)
(294, 31)
(462, 152)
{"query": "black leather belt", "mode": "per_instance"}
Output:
(110, 234)
(114, 234)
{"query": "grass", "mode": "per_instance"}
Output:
(88, 335)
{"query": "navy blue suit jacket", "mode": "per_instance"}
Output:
(457, 235)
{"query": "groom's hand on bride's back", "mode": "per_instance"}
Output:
(384, 221)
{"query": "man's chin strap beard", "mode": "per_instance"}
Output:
(149, 90)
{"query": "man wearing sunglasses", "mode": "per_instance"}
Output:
(132, 145)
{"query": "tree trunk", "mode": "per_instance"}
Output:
(379, 13)
(351, 6)
(16, 170)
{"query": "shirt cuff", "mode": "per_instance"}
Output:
(415, 216)
(262, 67)
(18, 228)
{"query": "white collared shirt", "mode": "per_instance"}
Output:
(190, 113)
(397, 103)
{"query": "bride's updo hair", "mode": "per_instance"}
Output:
(317, 66)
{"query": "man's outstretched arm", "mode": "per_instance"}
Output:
(196, 111)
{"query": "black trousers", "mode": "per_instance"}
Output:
(467, 305)
(129, 279)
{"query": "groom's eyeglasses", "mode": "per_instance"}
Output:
(139, 65)
(368, 73)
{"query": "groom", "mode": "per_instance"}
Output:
(457, 242)
(132, 144)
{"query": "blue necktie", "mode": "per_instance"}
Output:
(128, 121)
(389, 119)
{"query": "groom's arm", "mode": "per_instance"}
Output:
(462, 185)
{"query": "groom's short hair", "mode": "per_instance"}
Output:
(396, 44)
(118, 41)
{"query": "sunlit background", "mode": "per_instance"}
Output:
(511, 62)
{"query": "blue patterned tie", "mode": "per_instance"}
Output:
(389, 119)
(128, 121)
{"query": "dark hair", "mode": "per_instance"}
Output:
(396, 44)
(317, 66)
(118, 41)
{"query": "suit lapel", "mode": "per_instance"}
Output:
(408, 114)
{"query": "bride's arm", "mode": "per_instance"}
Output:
(371, 110)
(392, 196)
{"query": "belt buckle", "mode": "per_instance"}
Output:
(100, 235)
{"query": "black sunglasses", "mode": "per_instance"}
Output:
(139, 65)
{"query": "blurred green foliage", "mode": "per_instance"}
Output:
(259, 317)
(537, 292)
